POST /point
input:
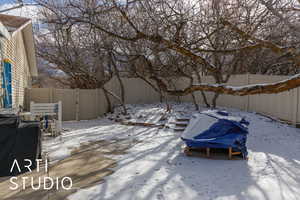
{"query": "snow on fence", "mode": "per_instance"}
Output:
(82, 104)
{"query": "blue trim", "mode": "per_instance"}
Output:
(7, 85)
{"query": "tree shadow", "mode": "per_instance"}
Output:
(169, 171)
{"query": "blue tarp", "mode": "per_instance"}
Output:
(217, 129)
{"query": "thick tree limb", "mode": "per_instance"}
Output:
(294, 52)
(263, 43)
(183, 51)
(232, 51)
(271, 88)
(293, 27)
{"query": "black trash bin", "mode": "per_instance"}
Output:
(19, 140)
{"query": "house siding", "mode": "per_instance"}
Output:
(14, 50)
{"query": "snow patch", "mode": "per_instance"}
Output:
(156, 168)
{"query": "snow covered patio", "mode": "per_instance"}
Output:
(156, 168)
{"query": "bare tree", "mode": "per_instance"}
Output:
(80, 55)
(217, 37)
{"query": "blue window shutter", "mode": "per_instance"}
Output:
(7, 85)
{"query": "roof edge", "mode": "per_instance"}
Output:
(4, 32)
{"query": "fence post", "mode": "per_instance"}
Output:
(51, 95)
(248, 96)
(295, 106)
(27, 99)
(59, 116)
(97, 103)
(77, 97)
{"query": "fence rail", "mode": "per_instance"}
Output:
(82, 104)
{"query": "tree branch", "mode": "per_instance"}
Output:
(271, 88)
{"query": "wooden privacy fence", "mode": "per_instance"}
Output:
(77, 104)
(82, 104)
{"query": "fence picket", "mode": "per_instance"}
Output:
(284, 106)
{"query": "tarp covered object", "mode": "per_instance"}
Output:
(216, 129)
(18, 140)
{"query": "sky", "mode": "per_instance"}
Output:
(13, 1)
(29, 11)
(26, 11)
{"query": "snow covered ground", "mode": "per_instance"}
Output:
(156, 168)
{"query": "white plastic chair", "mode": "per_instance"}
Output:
(51, 114)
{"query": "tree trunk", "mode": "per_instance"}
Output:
(121, 85)
(214, 100)
(119, 99)
(217, 43)
(202, 93)
(205, 99)
(164, 96)
(194, 101)
(109, 109)
(122, 93)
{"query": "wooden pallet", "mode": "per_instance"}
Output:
(213, 153)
